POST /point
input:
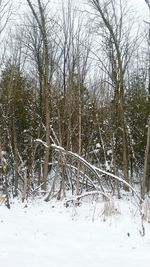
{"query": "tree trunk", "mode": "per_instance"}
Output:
(4, 178)
(124, 137)
(146, 179)
(79, 141)
(15, 157)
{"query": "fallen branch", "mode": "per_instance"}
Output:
(90, 193)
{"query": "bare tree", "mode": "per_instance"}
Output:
(146, 178)
(41, 21)
(118, 48)
(75, 56)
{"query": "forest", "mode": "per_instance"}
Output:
(74, 99)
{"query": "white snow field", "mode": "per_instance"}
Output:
(51, 235)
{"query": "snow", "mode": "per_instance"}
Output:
(98, 146)
(51, 235)
(109, 152)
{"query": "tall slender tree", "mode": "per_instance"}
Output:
(42, 24)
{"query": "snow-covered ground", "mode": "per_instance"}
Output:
(51, 235)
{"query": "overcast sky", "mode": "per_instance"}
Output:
(139, 5)
(141, 8)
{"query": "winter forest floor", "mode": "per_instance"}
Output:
(90, 235)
